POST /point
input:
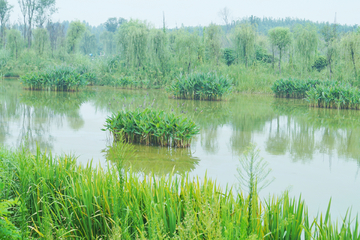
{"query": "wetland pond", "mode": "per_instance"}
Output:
(312, 152)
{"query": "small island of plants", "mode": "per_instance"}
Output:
(60, 78)
(151, 127)
(201, 86)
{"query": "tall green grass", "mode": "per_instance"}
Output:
(201, 86)
(152, 127)
(60, 199)
(59, 78)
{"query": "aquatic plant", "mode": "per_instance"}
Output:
(201, 86)
(62, 199)
(60, 78)
(334, 95)
(152, 127)
(293, 88)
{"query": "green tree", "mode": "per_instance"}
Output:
(74, 34)
(56, 34)
(88, 42)
(14, 42)
(41, 40)
(44, 10)
(244, 41)
(132, 42)
(280, 38)
(213, 42)
(111, 24)
(351, 45)
(159, 53)
(186, 48)
(306, 42)
(329, 34)
(108, 42)
(5, 9)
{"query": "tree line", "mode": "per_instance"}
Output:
(134, 47)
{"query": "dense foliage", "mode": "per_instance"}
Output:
(60, 78)
(201, 86)
(293, 88)
(334, 95)
(151, 127)
(61, 199)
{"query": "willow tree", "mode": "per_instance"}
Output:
(158, 52)
(132, 39)
(351, 48)
(5, 9)
(74, 34)
(330, 37)
(41, 40)
(15, 42)
(88, 43)
(186, 48)
(280, 38)
(107, 40)
(244, 41)
(306, 42)
(213, 42)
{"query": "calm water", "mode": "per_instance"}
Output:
(312, 152)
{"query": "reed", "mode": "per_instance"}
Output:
(61, 199)
(201, 86)
(60, 78)
(152, 127)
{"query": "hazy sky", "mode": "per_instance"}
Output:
(200, 12)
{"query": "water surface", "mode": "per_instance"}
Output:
(312, 152)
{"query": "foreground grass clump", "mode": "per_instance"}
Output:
(201, 86)
(60, 78)
(152, 127)
(335, 95)
(293, 88)
(59, 199)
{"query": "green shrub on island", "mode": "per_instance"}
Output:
(335, 95)
(60, 78)
(151, 127)
(293, 88)
(201, 86)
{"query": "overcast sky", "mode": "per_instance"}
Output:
(200, 12)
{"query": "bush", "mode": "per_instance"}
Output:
(201, 86)
(60, 78)
(320, 63)
(334, 95)
(229, 56)
(293, 88)
(151, 127)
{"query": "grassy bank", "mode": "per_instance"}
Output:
(60, 199)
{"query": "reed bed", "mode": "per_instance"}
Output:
(335, 95)
(60, 199)
(60, 78)
(152, 127)
(201, 86)
(293, 88)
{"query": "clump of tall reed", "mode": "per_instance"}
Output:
(334, 95)
(201, 86)
(59, 78)
(61, 199)
(151, 127)
(293, 88)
